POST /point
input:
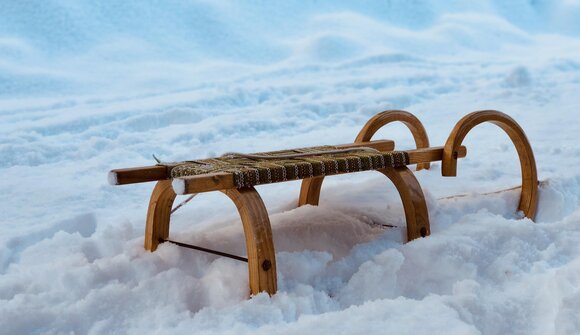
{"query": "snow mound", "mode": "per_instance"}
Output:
(89, 87)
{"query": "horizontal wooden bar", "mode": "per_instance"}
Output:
(224, 180)
(432, 154)
(158, 172)
(138, 175)
(380, 145)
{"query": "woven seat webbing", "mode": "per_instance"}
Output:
(250, 172)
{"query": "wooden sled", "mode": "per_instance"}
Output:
(236, 175)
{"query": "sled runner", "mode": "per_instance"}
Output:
(236, 175)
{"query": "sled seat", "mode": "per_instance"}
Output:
(237, 174)
(237, 171)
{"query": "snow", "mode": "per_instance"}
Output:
(178, 186)
(89, 87)
(112, 178)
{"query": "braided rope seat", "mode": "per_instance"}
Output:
(297, 164)
(236, 174)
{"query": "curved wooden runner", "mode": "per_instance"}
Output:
(257, 231)
(259, 243)
(414, 205)
(416, 213)
(411, 121)
(158, 214)
(529, 195)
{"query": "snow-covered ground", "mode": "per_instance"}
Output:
(88, 87)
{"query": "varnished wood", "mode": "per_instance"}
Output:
(259, 243)
(253, 213)
(257, 231)
(432, 154)
(138, 175)
(380, 145)
(383, 118)
(158, 172)
(414, 205)
(310, 191)
(157, 225)
(410, 191)
(225, 180)
(529, 195)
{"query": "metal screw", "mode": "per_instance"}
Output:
(266, 265)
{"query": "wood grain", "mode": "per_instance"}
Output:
(158, 214)
(138, 174)
(416, 213)
(411, 121)
(259, 243)
(529, 195)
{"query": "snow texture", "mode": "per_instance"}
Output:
(86, 87)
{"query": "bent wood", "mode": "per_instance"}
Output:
(416, 214)
(158, 172)
(158, 214)
(259, 242)
(411, 121)
(310, 188)
(414, 205)
(529, 195)
(225, 180)
(255, 221)
(409, 189)
(253, 213)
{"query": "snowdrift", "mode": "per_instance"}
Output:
(87, 87)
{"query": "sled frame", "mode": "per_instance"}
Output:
(254, 215)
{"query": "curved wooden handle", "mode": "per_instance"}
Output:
(411, 121)
(529, 197)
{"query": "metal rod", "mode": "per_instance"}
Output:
(183, 203)
(210, 251)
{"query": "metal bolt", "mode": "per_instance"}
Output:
(423, 231)
(266, 265)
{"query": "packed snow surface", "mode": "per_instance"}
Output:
(86, 87)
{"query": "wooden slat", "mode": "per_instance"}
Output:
(431, 154)
(223, 180)
(156, 172)
(380, 145)
(138, 175)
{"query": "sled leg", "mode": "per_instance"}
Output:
(158, 214)
(259, 243)
(416, 213)
(310, 191)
